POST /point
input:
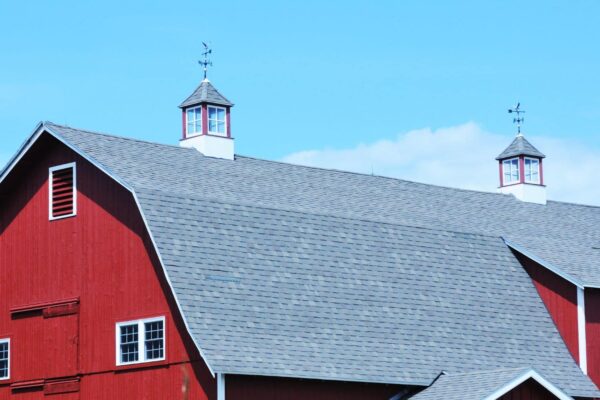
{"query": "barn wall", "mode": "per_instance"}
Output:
(592, 318)
(560, 298)
(103, 259)
(529, 390)
(239, 387)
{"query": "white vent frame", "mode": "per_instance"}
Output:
(73, 166)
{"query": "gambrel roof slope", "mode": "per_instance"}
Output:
(293, 271)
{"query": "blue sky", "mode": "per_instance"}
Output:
(319, 82)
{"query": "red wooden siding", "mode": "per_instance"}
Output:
(239, 387)
(65, 284)
(592, 330)
(560, 298)
(529, 390)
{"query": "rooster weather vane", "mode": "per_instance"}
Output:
(518, 119)
(206, 61)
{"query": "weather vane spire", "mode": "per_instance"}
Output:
(206, 61)
(519, 119)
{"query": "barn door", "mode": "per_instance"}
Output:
(46, 341)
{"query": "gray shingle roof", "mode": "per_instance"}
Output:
(206, 93)
(520, 146)
(470, 386)
(294, 271)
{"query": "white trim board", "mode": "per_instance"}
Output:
(582, 340)
(530, 374)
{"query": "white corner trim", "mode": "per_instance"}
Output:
(531, 374)
(41, 128)
(220, 386)
(544, 263)
(581, 330)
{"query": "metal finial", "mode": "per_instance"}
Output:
(206, 62)
(518, 120)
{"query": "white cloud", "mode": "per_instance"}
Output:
(463, 156)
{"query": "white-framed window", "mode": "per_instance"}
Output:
(217, 121)
(62, 196)
(194, 121)
(140, 341)
(510, 171)
(4, 359)
(532, 170)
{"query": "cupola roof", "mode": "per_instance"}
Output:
(206, 93)
(520, 147)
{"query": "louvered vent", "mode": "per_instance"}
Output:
(62, 193)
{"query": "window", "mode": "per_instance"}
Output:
(63, 191)
(140, 341)
(216, 121)
(510, 169)
(4, 359)
(194, 121)
(532, 170)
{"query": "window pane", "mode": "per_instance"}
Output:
(198, 127)
(154, 340)
(190, 127)
(4, 360)
(198, 112)
(129, 343)
(221, 127)
(190, 115)
(221, 114)
(212, 125)
(212, 113)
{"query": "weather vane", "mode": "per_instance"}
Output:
(206, 62)
(518, 120)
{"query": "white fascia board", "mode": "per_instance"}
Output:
(544, 263)
(41, 128)
(582, 340)
(530, 374)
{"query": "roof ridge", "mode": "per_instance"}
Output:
(50, 123)
(391, 178)
(313, 213)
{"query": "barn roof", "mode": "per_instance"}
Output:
(484, 385)
(303, 272)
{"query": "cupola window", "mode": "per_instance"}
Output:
(532, 170)
(216, 121)
(194, 121)
(511, 170)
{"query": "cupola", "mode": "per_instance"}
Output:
(521, 172)
(206, 120)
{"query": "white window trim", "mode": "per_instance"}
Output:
(141, 340)
(187, 122)
(504, 182)
(7, 340)
(538, 170)
(208, 119)
(50, 171)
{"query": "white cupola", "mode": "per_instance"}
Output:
(206, 119)
(521, 171)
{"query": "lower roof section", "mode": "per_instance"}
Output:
(489, 385)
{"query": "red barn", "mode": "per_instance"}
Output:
(136, 270)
